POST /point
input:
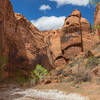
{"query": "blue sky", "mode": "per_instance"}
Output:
(50, 14)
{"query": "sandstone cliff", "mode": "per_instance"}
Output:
(76, 35)
(97, 19)
(73, 38)
(20, 42)
(25, 46)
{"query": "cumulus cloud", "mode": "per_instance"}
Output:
(45, 7)
(73, 2)
(48, 23)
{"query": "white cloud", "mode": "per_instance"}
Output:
(48, 23)
(45, 7)
(73, 2)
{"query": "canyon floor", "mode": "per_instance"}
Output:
(70, 91)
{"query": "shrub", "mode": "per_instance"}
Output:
(34, 77)
(39, 73)
(82, 76)
(74, 62)
(92, 62)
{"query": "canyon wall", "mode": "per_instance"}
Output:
(96, 25)
(24, 46)
(20, 42)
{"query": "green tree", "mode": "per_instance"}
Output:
(93, 2)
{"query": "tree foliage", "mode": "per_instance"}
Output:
(93, 2)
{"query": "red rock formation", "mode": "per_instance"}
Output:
(89, 40)
(71, 38)
(68, 42)
(85, 25)
(20, 41)
(53, 41)
(25, 46)
(76, 35)
(76, 13)
(97, 19)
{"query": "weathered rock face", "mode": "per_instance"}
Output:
(71, 38)
(7, 25)
(20, 42)
(87, 37)
(85, 25)
(5, 14)
(53, 41)
(76, 35)
(97, 19)
(54, 44)
(72, 22)
(76, 13)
